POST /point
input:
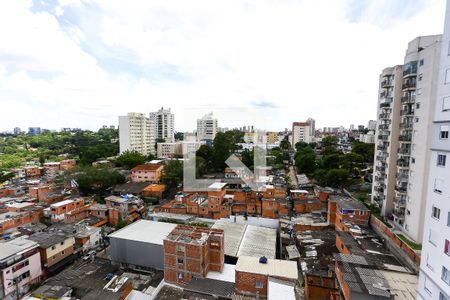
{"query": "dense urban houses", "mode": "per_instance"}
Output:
(207, 128)
(137, 133)
(406, 103)
(164, 125)
(435, 265)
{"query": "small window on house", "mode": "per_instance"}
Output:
(417, 105)
(447, 247)
(420, 62)
(413, 160)
(63, 252)
(427, 286)
(258, 284)
(416, 119)
(446, 103)
(180, 260)
(445, 275)
(433, 237)
(438, 185)
(53, 247)
(443, 132)
(429, 266)
(419, 78)
(441, 158)
(435, 212)
(447, 76)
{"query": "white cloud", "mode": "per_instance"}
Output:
(305, 57)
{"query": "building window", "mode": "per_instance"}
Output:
(445, 275)
(447, 247)
(53, 247)
(413, 160)
(180, 248)
(441, 158)
(447, 76)
(442, 297)
(417, 105)
(180, 276)
(435, 212)
(259, 285)
(433, 237)
(416, 119)
(448, 219)
(429, 266)
(180, 260)
(443, 132)
(438, 185)
(420, 62)
(427, 286)
(446, 103)
(419, 78)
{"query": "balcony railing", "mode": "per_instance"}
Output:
(385, 116)
(386, 83)
(408, 99)
(405, 138)
(383, 126)
(406, 125)
(402, 163)
(404, 151)
(382, 148)
(409, 84)
(406, 112)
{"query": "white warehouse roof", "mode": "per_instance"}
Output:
(145, 231)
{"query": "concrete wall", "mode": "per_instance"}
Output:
(136, 253)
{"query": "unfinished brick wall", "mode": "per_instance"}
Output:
(246, 284)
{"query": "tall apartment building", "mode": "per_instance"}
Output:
(372, 125)
(301, 132)
(164, 124)
(206, 128)
(137, 133)
(434, 280)
(386, 138)
(417, 100)
(312, 127)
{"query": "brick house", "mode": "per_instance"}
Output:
(192, 252)
(253, 273)
(67, 164)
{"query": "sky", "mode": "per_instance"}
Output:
(268, 63)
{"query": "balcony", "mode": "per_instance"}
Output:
(401, 188)
(400, 204)
(386, 83)
(409, 84)
(384, 116)
(382, 148)
(410, 69)
(405, 138)
(403, 178)
(406, 125)
(403, 163)
(408, 99)
(407, 112)
(404, 151)
(383, 126)
(399, 213)
(381, 158)
(380, 168)
(383, 137)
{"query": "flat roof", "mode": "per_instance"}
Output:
(15, 247)
(48, 239)
(273, 267)
(217, 185)
(145, 231)
(278, 289)
(228, 273)
(20, 204)
(64, 202)
(403, 286)
(247, 240)
(258, 241)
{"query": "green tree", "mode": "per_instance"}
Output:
(248, 158)
(223, 146)
(366, 150)
(285, 145)
(330, 140)
(337, 177)
(96, 180)
(130, 159)
(305, 160)
(173, 174)
(331, 161)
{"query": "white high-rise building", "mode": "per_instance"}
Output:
(137, 133)
(301, 132)
(372, 125)
(206, 128)
(434, 280)
(410, 127)
(164, 124)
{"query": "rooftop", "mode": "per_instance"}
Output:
(15, 247)
(274, 267)
(250, 240)
(192, 234)
(131, 187)
(145, 231)
(217, 186)
(61, 203)
(345, 202)
(210, 287)
(48, 239)
(147, 167)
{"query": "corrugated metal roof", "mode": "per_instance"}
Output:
(145, 231)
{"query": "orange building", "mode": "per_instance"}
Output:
(32, 172)
(154, 190)
(70, 207)
(12, 220)
(67, 164)
(147, 172)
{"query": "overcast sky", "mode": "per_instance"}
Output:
(72, 63)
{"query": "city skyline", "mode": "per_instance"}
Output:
(87, 62)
